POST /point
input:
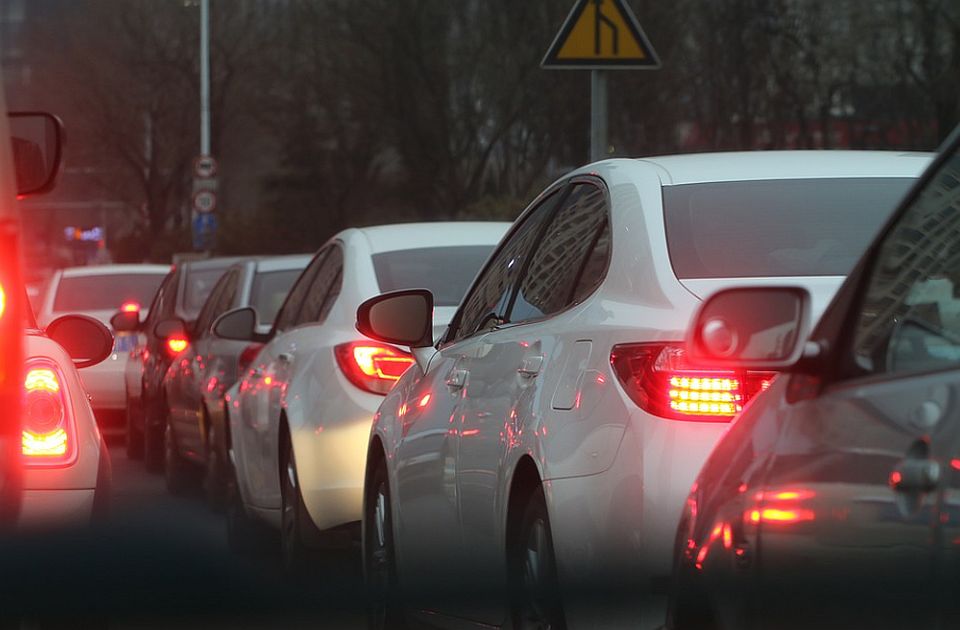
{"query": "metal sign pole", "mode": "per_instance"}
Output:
(598, 115)
(204, 77)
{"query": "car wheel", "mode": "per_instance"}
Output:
(296, 554)
(385, 610)
(214, 480)
(533, 570)
(177, 473)
(134, 438)
(153, 438)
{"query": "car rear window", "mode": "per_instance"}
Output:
(446, 271)
(199, 284)
(772, 228)
(270, 290)
(105, 292)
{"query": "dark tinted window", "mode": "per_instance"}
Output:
(554, 272)
(487, 301)
(324, 289)
(290, 311)
(269, 290)
(446, 271)
(792, 227)
(105, 292)
(200, 283)
(209, 310)
(162, 305)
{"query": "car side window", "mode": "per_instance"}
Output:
(290, 311)
(574, 244)
(487, 302)
(910, 316)
(160, 303)
(324, 289)
(209, 311)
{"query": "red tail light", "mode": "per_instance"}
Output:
(130, 307)
(3, 300)
(660, 380)
(372, 366)
(247, 356)
(48, 437)
(176, 345)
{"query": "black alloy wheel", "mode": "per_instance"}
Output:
(295, 553)
(534, 586)
(134, 436)
(178, 473)
(385, 611)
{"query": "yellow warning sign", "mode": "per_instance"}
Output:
(601, 34)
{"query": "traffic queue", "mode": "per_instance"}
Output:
(708, 390)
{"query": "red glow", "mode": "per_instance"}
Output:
(247, 356)
(424, 401)
(701, 556)
(742, 488)
(268, 380)
(403, 410)
(176, 345)
(727, 536)
(895, 478)
(792, 495)
(955, 463)
(130, 307)
(372, 366)
(778, 515)
(470, 432)
(47, 434)
(3, 300)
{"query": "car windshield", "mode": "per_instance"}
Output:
(772, 228)
(200, 283)
(445, 271)
(105, 292)
(269, 290)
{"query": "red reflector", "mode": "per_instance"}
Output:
(372, 366)
(47, 433)
(176, 345)
(660, 380)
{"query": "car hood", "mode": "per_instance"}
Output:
(821, 288)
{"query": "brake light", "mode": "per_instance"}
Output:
(47, 431)
(176, 345)
(3, 300)
(130, 307)
(372, 366)
(660, 380)
(247, 356)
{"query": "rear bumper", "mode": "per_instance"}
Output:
(56, 508)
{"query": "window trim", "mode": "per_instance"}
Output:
(336, 245)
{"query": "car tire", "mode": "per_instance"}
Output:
(177, 473)
(214, 480)
(134, 437)
(532, 567)
(294, 521)
(385, 609)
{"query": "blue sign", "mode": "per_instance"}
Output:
(204, 230)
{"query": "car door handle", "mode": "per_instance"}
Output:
(915, 475)
(530, 366)
(457, 378)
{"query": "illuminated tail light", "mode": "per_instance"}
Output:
(247, 356)
(176, 345)
(130, 307)
(3, 300)
(48, 437)
(660, 380)
(372, 366)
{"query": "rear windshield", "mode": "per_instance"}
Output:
(270, 290)
(446, 271)
(200, 283)
(106, 292)
(770, 228)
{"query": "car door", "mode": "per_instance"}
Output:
(429, 541)
(854, 514)
(514, 374)
(257, 442)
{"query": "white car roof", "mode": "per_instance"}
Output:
(756, 165)
(108, 270)
(282, 263)
(385, 238)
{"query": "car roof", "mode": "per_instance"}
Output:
(757, 165)
(211, 263)
(107, 270)
(385, 238)
(282, 263)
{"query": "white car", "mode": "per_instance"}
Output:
(552, 435)
(99, 291)
(66, 465)
(300, 420)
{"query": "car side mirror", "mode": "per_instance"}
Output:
(85, 339)
(401, 317)
(125, 321)
(170, 328)
(761, 328)
(239, 324)
(37, 143)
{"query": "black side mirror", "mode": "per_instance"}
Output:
(239, 324)
(401, 317)
(125, 321)
(172, 327)
(758, 328)
(85, 339)
(37, 139)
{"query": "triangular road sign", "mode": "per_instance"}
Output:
(601, 34)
